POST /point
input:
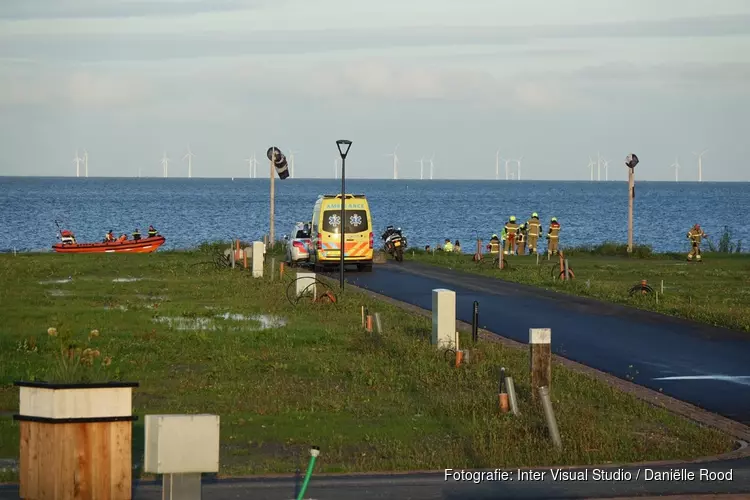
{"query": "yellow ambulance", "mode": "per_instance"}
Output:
(325, 236)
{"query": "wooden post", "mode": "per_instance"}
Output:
(281, 270)
(273, 201)
(631, 196)
(244, 258)
(541, 359)
(75, 440)
(273, 267)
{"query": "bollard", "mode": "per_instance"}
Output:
(502, 396)
(565, 270)
(231, 256)
(537, 258)
(549, 416)
(662, 287)
(378, 324)
(363, 316)
(281, 270)
(244, 259)
(511, 388)
(257, 260)
(368, 323)
(475, 322)
(541, 358)
(443, 318)
(273, 266)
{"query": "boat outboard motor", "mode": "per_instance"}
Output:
(279, 161)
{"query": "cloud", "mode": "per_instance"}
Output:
(88, 88)
(705, 77)
(154, 46)
(77, 9)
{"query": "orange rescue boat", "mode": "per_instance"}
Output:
(144, 245)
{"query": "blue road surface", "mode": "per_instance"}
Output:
(698, 364)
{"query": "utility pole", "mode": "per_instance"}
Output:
(273, 198)
(631, 161)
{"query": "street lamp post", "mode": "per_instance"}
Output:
(343, 146)
(631, 161)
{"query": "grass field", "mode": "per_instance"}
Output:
(314, 377)
(716, 291)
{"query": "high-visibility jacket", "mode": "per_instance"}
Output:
(152, 233)
(494, 245)
(534, 227)
(520, 235)
(554, 230)
(448, 247)
(696, 235)
(509, 231)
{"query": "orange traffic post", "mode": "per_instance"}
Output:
(244, 259)
(281, 270)
(459, 357)
(502, 396)
(368, 323)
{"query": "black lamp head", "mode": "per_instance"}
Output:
(341, 144)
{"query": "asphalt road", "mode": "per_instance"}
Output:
(710, 364)
(435, 486)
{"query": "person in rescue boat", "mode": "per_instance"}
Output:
(109, 236)
(136, 234)
(152, 231)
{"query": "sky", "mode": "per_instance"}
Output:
(550, 82)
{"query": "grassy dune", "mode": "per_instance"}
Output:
(314, 377)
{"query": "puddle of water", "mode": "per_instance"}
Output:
(52, 282)
(58, 293)
(265, 322)
(125, 280)
(116, 308)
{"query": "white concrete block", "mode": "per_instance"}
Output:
(178, 444)
(306, 281)
(82, 402)
(540, 336)
(443, 318)
(258, 252)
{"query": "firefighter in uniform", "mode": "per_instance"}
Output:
(521, 239)
(494, 246)
(136, 234)
(534, 230)
(448, 247)
(152, 231)
(695, 235)
(553, 237)
(509, 235)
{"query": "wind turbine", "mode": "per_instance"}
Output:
(507, 169)
(598, 166)
(700, 164)
(165, 164)
(497, 165)
(255, 166)
(249, 162)
(395, 162)
(676, 166)
(77, 161)
(432, 165)
(421, 168)
(518, 163)
(291, 163)
(86, 162)
(605, 164)
(591, 168)
(189, 157)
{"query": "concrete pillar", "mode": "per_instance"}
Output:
(443, 318)
(305, 283)
(541, 359)
(257, 259)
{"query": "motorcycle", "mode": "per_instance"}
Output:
(394, 243)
